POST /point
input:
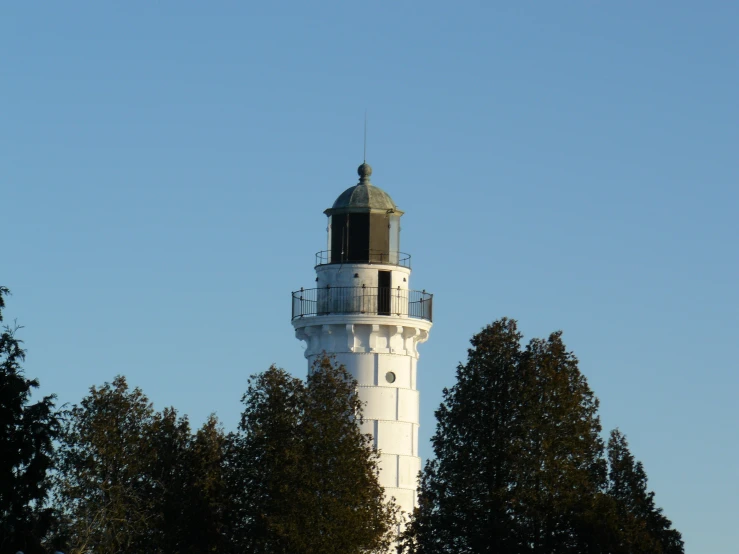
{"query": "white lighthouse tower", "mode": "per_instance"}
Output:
(363, 311)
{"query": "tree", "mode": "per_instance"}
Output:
(27, 434)
(205, 504)
(136, 480)
(105, 487)
(563, 469)
(189, 499)
(303, 475)
(264, 462)
(519, 461)
(645, 528)
(466, 501)
(344, 499)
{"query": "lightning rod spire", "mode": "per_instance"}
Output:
(365, 137)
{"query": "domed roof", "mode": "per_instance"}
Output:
(364, 195)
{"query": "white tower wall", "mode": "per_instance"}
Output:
(371, 347)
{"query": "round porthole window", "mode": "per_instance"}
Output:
(390, 377)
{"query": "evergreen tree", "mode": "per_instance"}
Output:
(518, 459)
(205, 501)
(264, 463)
(27, 432)
(342, 497)
(467, 498)
(562, 469)
(105, 486)
(136, 480)
(189, 490)
(304, 476)
(644, 526)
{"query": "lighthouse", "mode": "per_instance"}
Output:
(363, 312)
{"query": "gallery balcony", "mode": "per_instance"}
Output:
(383, 257)
(362, 300)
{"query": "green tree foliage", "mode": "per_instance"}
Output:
(467, 498)
(205, 502)
(136, 480)
(644, 527)
(264, 463)
(303, 475)
(561, 469)
(27, 432)
(343, 494)
(519, 463)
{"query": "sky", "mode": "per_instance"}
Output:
(164, 167)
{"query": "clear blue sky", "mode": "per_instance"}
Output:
(574, 165)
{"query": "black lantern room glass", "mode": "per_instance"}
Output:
(368, 237)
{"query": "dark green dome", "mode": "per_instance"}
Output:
(364, 194)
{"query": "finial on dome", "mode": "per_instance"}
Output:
(364, 171)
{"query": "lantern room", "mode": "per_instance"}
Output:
(363, 225)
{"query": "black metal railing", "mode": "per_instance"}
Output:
(363, 300)
(373, 257)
